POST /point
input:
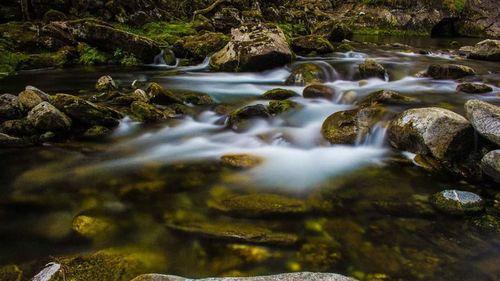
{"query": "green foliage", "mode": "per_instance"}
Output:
(391, 32)
(292, 30)
(125, 58)
(9, 61)
(454, 5)
(90, 56)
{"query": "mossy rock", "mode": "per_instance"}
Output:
(96, 133)
(10, 107)
(30, 98)
(487, 223)
(194, 98)
(320, 255)
(305, 74)
(198, 47)
(311, 43)
(105, 83)
(386, 97)
(241, 161)
(370, 68)
(148, 113)
(279, 94)
(259, 205)
(95, 228)
(160, 95)
(474, 88)
(322, 91)
(11, 273)
(277, 107)
(240, 119)
(457, 202)
(449, 71)
(334, 31)
(45, 117)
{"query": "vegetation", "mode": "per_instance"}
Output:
(90, 56)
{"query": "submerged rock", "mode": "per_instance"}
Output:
(490, 164)
(311, 43)
(45, 117)
(345, 127)
(486, 50)
(386, 97)
(279, 94)
(370, 68)
(259, 205)
(276, 107)
(105, 83)
(10, 107)
(456, 202)
(431, 131)
(253, 48)
(198, 47)
(449, 71)
(299, 276)
(243, 161)
(474, 88)
(305, 74)
(485, 118)
(319, 91)
(240, 119)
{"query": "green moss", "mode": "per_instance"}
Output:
(90, 56)
(167, 33)
(281, 106)
(387, 32)
(292, 30)
(9, 61)
(125, 58)
(454, 5)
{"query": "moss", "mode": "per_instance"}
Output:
(306, 73)
(125, 58)
(387, 32)
(292, 30)
(278, 107)
(90, 56)
(279, 94)
(11, 273)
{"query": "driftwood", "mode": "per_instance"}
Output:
(210, 8)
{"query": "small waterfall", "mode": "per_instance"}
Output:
(159, 59)
(329, 72)
(375, 137)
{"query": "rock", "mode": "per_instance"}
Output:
(11, 273)
(485, 118)
(148, 112)
(96, 133)
(370, 68)
(226, 19)
(349, 97)
(259, 205)
(431, 131)
(279, 94)
(10, 107)
(236, 232)
(85, 112)
(487, 223)
(198, 47)
(490, 164)
(474, 88)
(281, 106)
(243, 161)
(45, 117)
(31, 98)
(9, 141)
(311, 43)
(96, 228)
(253, 48)
(486, 50)
(345, 127)
(160, 95)
(18, 127)
(315, 91)
(298, 276)
(194, 98)
(240, 119)
(386, 97)
(140, 95)
(449, 71)
(456, 202)
(333, 31)
(105, 84)
(305, 74)
(319, 255)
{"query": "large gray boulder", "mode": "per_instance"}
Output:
(299, 276)
(431, 131)
(45, 117)
(486, 50)
(253, 48)
(485, 118)
(490, 164)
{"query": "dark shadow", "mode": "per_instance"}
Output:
(447, 27)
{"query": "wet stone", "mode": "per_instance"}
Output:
(243, 161)
(457, 202)
(305, 74)
(474, 88)
(281, 106)
(387, 97)
(370, 68)
(240, 119)
(105, 83)
(485, 118)
(319, 91)
(10, 107)
(279, 94)
(449, 71)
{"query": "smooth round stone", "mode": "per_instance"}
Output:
(457, 202)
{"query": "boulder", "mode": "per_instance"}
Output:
(449, 71)
(486, 50)
(490, 164)
(431, 131)
(240, 119)
(276, 107)
(279, 94)
(160, 95)
(485, 118)
(474, 88)
(314, 91)
(105, 84)
(305, 74)
(195, 98)
(45, 117)
(298, 276)
(198, 47)
(31, 97)
(345, 127)
(334, 31)
(17, 127)
(386, 97)
(10, 107)
(85, 112)
(253, 48)
(149, 113)
(457, 202)
(370, 68)
(311, 43)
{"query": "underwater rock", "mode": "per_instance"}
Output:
(345, 127)
(311, 43)
(474, 88)
(253, 48)
(315, 91)
(485, 118)
(486, 50)
(198, 47)
(386, 97)
(240, 119)
(45, 117)
(10, 107)
(456, 202)
(449, 71)
(105, 83)
(334, 31)
(490, 164)
(160, 95)
(31, 98)
(259, 205)
(276, 107)
(370, 68)
(279, 94)
(305, 74)
(298, 276)
(242, 161)
(431, 131)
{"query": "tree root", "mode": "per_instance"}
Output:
(210, 8)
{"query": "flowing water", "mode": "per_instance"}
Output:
(364, 220)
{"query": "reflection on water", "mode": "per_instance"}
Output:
(356, 209)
